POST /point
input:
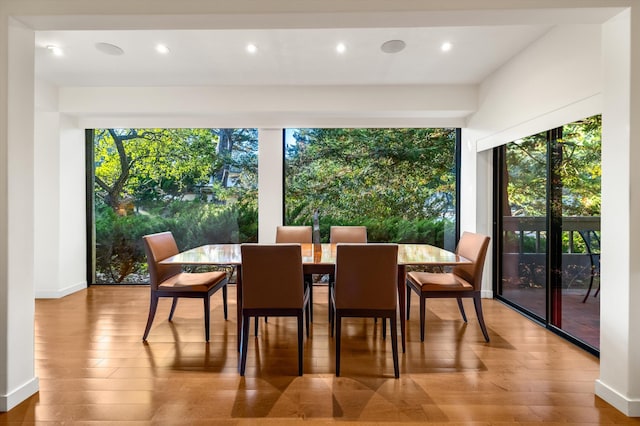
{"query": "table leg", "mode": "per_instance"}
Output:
(239, 304)
(402, 295)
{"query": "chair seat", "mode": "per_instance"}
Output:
(439, 281)
(197, 282)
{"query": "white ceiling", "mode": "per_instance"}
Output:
(284, 57)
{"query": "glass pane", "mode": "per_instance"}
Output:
(399, 183)
(524, 224)
(580, 175)
(201, 184)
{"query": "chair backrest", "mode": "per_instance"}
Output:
(159, 247)
(294, 234)
(272, 276)
(366, 276)
(348, 234)
(473, 247)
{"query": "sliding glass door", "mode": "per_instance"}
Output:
(548, 211)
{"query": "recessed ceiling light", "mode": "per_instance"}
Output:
(393, 46)
(56, 50)
(341, 48)
(446, 46)
(252, 48)
(162, 49)
(109, 49)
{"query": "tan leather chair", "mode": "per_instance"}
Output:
(348, 234)
(366, 286)
(294, 234)
(344, 234)
(170, 281)
(463, 281)
(302, 235)
(272, 285)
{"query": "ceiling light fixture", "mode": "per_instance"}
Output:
(393, 46)
(109, 49)
(446, 46)
(55, 50)
(341, 48)
(162, 49)
(252, 48)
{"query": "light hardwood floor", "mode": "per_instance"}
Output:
(94, 369)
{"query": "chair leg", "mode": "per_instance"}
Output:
(173, 308)
(224, 301)
(422, 316)
(300, 326)
(461, 309)
(329, 290)
(408, 300)
(307, 312)
(152, 313)
(207, 316)
(384, 328)
(478, 305)
(394, 345)
(308, 279)
(245, 342)
(338, 320)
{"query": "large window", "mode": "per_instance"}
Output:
(201, 184)
(549, 227)
(399, 183)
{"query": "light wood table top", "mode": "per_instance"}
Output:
(320, 259)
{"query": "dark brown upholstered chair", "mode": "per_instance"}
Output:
(272, 285)
(302, 235)
(463, 281)
(170, 281)
(344, 234)
(366, 286)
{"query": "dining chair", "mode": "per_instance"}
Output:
(344, 234)
(302, 235)
(272, 285)
(348, 234)
(171, 281)
(464, 281)
(366, 286)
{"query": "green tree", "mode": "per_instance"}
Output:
(353, 174)
(151, 164)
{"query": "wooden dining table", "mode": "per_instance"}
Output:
(319, 259)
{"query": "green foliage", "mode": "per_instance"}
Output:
(201, 184)
(370, 175)
(579, 170)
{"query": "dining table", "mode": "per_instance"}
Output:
(319, 259)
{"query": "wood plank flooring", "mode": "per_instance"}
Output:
(94, 368)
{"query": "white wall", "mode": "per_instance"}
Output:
(619, 382)
(557, 80)
(72, 247)
(270, 175)
(59, 218)
(17, 373)
(569, 84)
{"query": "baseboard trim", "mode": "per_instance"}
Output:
(7, 402)
(629, 407)
(57, 294)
